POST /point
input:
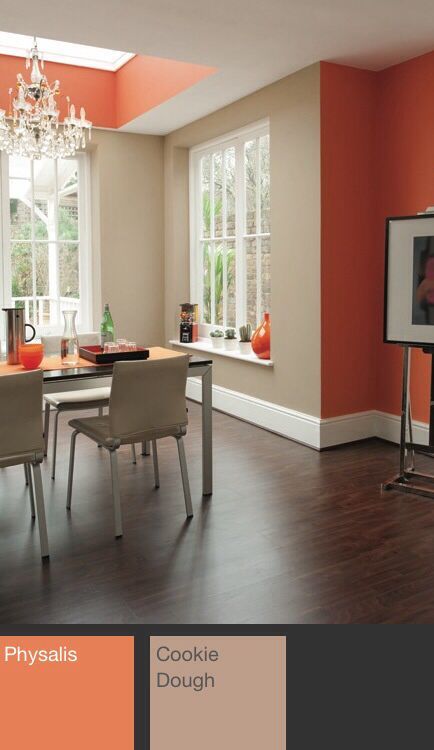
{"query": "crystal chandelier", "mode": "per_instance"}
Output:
(34, 128)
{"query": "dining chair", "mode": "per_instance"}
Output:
(21, 440)
(147, 402)
(90, 398)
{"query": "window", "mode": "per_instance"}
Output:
(230, 229)
(45, 240)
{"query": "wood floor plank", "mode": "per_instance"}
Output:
(290, 535)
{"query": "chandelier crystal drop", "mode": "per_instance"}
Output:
(31, 128)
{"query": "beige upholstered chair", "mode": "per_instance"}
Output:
(21, 440)
(90, 398)
(147, 402)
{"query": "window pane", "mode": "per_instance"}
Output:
(264, 157)
(42, 220)
(250, 178)
(206, 314)
(44, 190)
(67, 178)
(265, 275)
(218, 213)
(231, 288)
(19, 166)
(251, 283)
(230, 191)
(218, 286)
(68, 270)
(41, 269)
(21, 269)
(20, 197)
(205, 181)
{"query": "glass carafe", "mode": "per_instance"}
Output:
(69, 346)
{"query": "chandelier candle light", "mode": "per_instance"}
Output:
(34, 130)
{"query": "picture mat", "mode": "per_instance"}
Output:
(399, 307)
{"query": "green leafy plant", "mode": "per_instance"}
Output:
(246, 333)
(217, 334)
(230, 333)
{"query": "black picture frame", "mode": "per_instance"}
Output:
(427, 346)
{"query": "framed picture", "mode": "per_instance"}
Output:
(409, 281)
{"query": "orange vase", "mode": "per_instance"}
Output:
(261, 338)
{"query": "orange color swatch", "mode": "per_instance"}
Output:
(233, 696)
(77, 693)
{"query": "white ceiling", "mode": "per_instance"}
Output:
(252, 42)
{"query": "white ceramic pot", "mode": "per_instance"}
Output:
(217, 342)
(231, 345)
(245, 347)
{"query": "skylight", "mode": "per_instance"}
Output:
(64, 52)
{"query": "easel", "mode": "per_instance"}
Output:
(408, 479)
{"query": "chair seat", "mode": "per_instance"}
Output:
(98, 429)
(74, 399)
(28, 457)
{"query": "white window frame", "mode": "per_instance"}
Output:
(237, 140)
(84, 241)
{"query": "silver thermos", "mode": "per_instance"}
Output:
(15, 333)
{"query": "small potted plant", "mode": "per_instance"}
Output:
(216, 337)
(230, 339)
(245, 339)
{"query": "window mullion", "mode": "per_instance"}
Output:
(258, 239)
(212, 235)
(240, 261)
(32, 235)
(224, 243)
(56, 239)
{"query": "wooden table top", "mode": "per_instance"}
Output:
(54, 369)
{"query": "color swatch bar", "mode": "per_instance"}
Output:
(218, 692)
(67, 692)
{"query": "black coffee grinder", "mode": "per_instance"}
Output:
(189, 325)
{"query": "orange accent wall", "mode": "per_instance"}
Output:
(110, 99)
(145, 82)
(377, 160)
(348, 250)
(87, 87)
(405, 175)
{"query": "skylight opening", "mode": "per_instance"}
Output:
(64, 52)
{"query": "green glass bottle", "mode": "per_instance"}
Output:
(107, 327)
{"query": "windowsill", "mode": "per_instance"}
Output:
(203, 346)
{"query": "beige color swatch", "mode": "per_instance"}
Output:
(244, 709)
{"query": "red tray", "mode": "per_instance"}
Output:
(96, 355)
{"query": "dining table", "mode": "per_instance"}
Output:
(84, 374)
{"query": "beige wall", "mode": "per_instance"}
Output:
(128, 231)
(293, 108)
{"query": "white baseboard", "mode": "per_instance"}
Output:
(305, 428)
(291, 424)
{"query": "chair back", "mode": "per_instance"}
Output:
(148, 395)
(21, 414)
(52, 343)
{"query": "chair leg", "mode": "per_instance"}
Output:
(116, 493)
(26, 475)
(71, 469)
(46, 427)
(56, 421)
(29, 482)
(145, 448)
(100, 414)
(133, 453)
(39, 497)
(184, 474)
(155, 459)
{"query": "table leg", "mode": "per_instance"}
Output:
(146, 448)
(207, 468)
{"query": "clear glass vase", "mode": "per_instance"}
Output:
(69, 346)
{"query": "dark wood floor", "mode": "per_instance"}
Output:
(290, 536)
